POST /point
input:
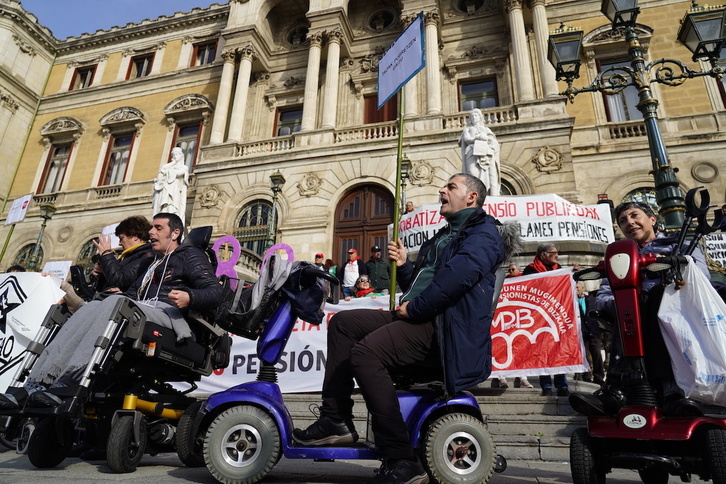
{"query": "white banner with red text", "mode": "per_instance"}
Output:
(536, 331)
(546, 217)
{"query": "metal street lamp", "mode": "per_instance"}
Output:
(405, 174)
(46, 213)
(276, 183)
(703, 31)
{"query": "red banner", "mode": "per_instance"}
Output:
(536, 327)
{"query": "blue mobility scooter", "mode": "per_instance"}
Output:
(634, 432)
(246, 429)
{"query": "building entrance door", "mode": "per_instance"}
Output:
(361, 221)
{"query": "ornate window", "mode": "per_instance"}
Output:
(83, 77)
(60, 136)
(288, 121)
(55, 168)
(622, 106)
(253, 226)
(480, 94)
(187, 117)
(388, 112)
(23, 257)
(85, 255)
(121, 127)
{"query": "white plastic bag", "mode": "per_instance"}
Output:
(693, 322)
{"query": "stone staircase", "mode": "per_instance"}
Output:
(524, 425)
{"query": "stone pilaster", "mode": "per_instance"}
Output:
(433, 66)
(520, 50)
(541, 36)
(332, 69)
(219, 123)
(239, 105)
(310, 96)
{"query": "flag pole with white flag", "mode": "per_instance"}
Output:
(403, 60)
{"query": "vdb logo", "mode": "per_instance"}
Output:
(634, 421)
(530, 321)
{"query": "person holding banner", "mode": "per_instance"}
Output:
(444, 320)
(480, 152)
(546, 260)
(638, 222)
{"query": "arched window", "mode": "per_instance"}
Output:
(506, 188)
(84, 257)
(23, 257)
(253, 226)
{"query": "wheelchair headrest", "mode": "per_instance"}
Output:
(199, 237)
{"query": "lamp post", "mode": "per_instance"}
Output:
(405, 173)
(276, 183)
(703, 31)
(46, 213)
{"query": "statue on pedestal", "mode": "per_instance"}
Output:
(480, 152)
(170, 186)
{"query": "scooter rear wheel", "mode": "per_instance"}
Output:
(459, 449)
(583, 459)
(242, 445)
(716, 455)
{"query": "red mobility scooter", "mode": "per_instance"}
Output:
(640, 435)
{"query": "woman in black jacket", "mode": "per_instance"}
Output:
(133, 234)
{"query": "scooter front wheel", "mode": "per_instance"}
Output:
(242, 445)
(583, 459)
(459, 449)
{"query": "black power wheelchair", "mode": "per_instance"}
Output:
(125, 405)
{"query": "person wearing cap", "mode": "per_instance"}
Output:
(350, 271)
(319, 261)
(379, 271)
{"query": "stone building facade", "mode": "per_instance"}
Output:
(252, 87)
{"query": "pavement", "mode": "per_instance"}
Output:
(167, 469)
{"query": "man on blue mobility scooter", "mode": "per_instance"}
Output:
(444, 317)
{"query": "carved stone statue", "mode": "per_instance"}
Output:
(480, 152)
(170, 186)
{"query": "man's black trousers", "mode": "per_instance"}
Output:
(365, 343)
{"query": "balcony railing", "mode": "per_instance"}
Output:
(367, 132)
(280, 143)
(632, 129)
(498, 115)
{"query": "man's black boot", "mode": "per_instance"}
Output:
(403, 471)
(326, 431)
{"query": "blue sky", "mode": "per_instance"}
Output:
(66, 18)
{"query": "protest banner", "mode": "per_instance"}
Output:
(716, 248)
(18, 209)
(535, 331)
(542, 218)
(24, 301)
(536, 327)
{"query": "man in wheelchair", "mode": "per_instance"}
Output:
(180, 278)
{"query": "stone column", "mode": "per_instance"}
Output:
(310, 97)
(522, 69)
(433, 69)
(330, 101)
(239, 105)
(541, 36)
(219, 122)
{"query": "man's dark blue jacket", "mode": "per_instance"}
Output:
(459, 299)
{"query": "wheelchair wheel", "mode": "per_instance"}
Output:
(50, 442)
(459, 448)
(190, 441)
(583, 463)
(716, 455)
(123, 453)
(242, 445)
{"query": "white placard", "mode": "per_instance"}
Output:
(19, 209)
(58, 268)
(401, 61)
(110, 230)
